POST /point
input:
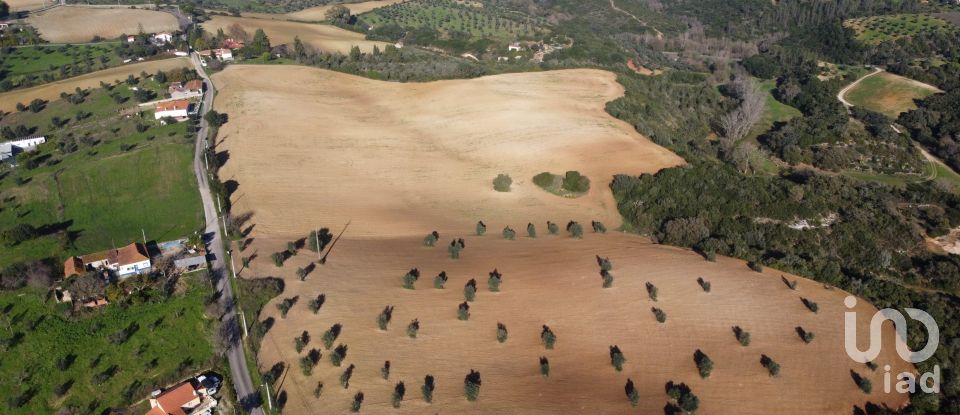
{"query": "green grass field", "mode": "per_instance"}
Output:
(102, 178)
(174, 331)
(887, 93)
(48, 63)
(449, 17)
(876, 29)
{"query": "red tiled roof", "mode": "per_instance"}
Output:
(172, 400)
(73, 266)
(180, 104)
(194, 85)
(132, 254)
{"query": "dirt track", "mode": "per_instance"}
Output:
(51, 91)
(309, 146)
(325, 37)
(554, 280)
(80, 24)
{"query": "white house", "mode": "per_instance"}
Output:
(131, 38)
(223, 54)
(515, 46)
(175, 109)
(129, 260)
(10, 149)
(163, 37)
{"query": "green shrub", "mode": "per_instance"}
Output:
(806, 336)
(548, 337)
(598, 227)
(544, 367)
(544, 180)
(292, 248)
(301, 341)
(317, 391)
(575, 229)
(338, 354)
(440, 280)
(301, 274)
(431, 239)
(604, 263)
(509, 233)
(493, 283)
(552, 228)
(471, 385)
(755, 265)
(742, 336)
(502, 183)
(812, 306)
(286, 304)
(383, 319)
(463, 311)
(705, 285)
(277, 258)
(607, 278)
(632, 393)
(501, 332)
(616, 358)
(331, 335)
(790, 284)
(357, 402)
(659, 315)
(385, 370)
(574, 182)
(651, 291)
(346, 375)
(481, 228)
(427, 388)
(531, 230)
(772, 367)
(863, 383)
(411, 277)
(306, 366)
(398, 391)
(315, 304)
(704, 364)
(413, 328)
(470, 290)
(454, 248)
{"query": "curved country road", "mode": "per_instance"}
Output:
(614, 6)
(239, 373)
(843, 92)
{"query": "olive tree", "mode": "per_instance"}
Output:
(616, 358)
(544, 367)
(410, 278)
(440, 280)
(471, 385)
(704, 364)
(427, 388)
(548, 337)
(501, 332)
(413, 328)
(383, 319)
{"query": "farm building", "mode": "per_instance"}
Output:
(191, 89)
(10, 149)
(126, 261)
(223, 54)
(175, 109)
(184, 399)
(162, 37)
(514, 46)
(131, 38)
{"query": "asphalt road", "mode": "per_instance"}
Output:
(246, 391)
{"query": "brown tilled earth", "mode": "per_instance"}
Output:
(310, 148)
(554, 280)
(81, 24)
(327, 38)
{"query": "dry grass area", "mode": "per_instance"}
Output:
(311, 146)
(324, 37)
(319, 13)
(20, 5)
(554, 280)
(81, 24)
(888, 93)
(51, 91)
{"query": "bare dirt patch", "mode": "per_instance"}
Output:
(81, 24)
(554, 280)
(51, 91)
(325, 37)
(642, 70)
(20, 5)
(314, 146)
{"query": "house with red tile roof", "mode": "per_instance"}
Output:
(126, 261)
(190, 89)
(182, 399)
(177, 108)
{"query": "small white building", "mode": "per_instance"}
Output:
(515, 46)
(163, 37)
(191, 89)
(176, 109)
(126, 261)
(10, 149)
(131, 38)
(223, 54)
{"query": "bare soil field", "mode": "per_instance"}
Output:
(51, 91)
(310, 146)
(324, 37)
(81, 24)
(554, 280)
(319, 13)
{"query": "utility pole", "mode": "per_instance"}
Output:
(244, 318)
(144, 238)
(233, 267)
(269, 401)
(319, 257)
